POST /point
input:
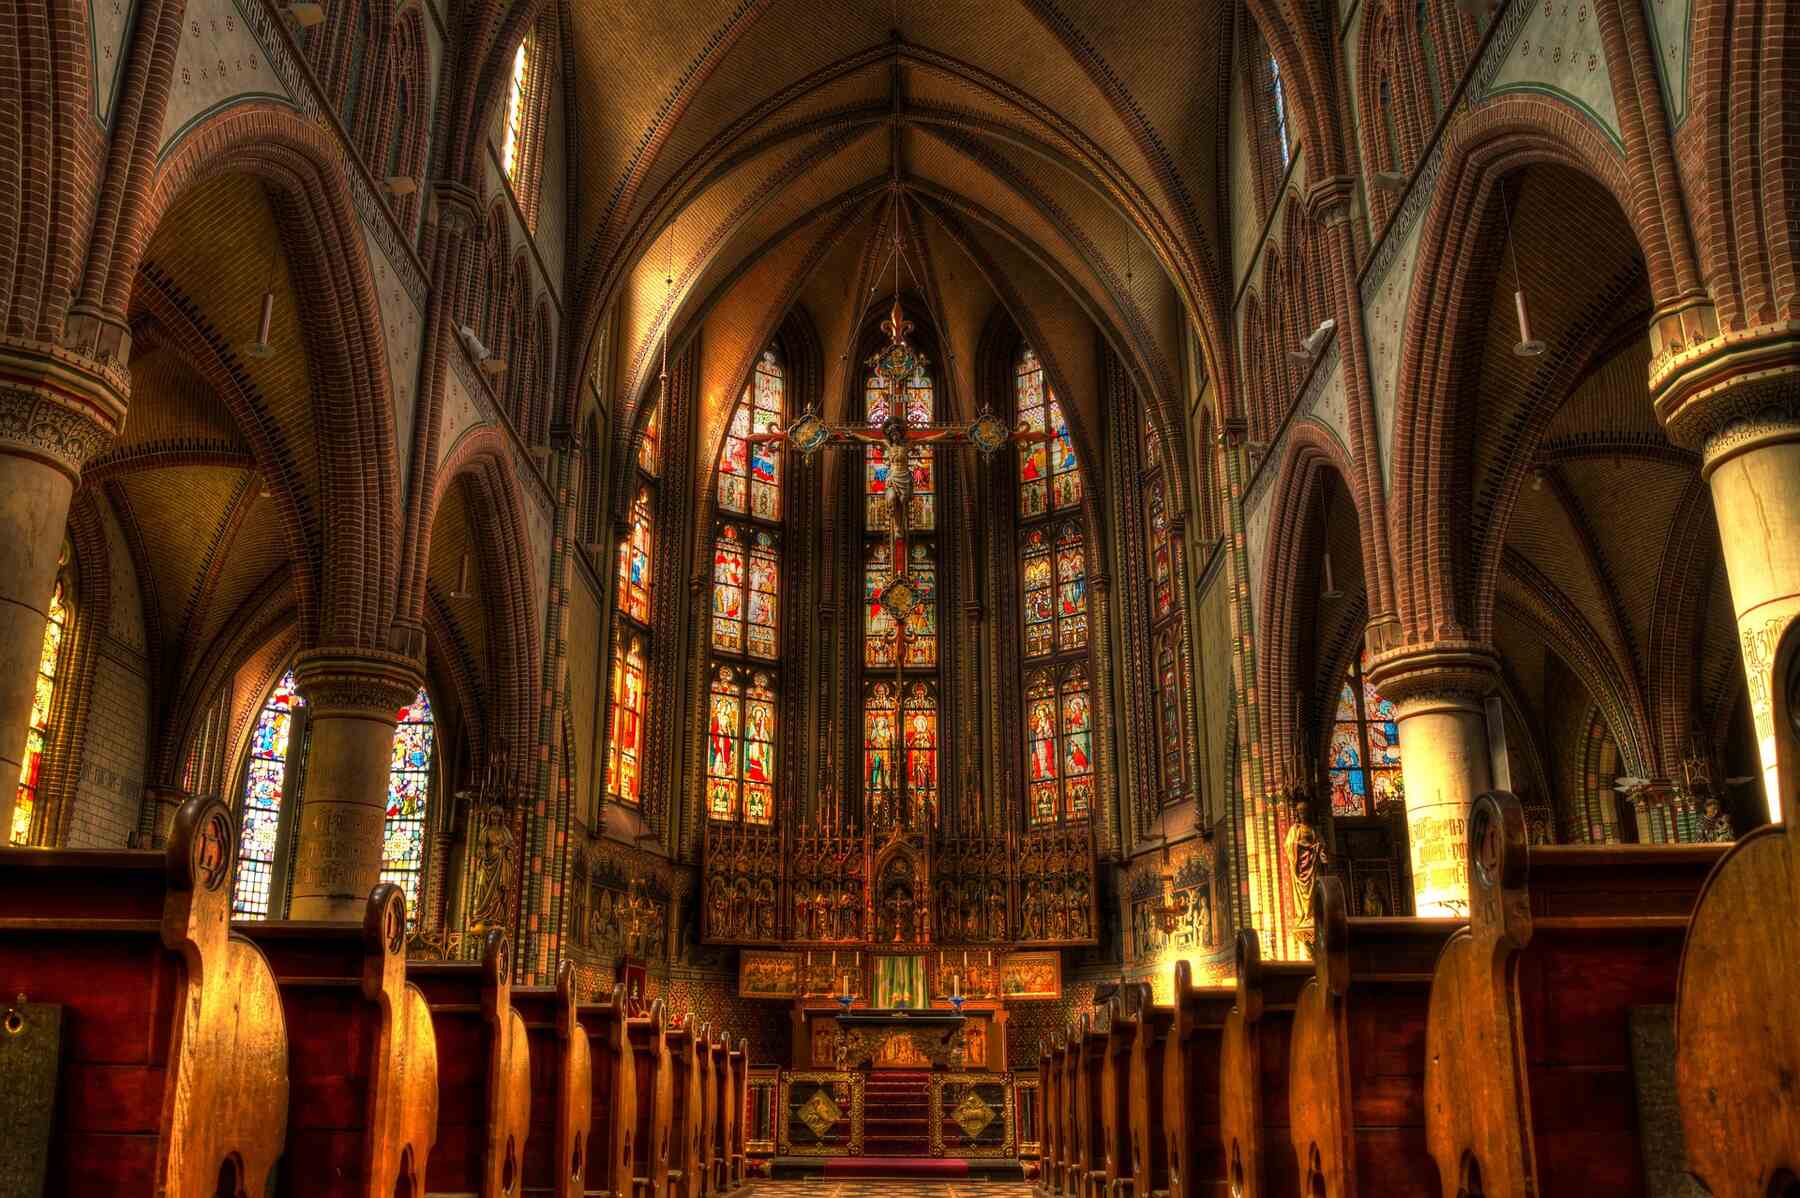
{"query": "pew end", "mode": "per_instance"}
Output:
(1253, 1073)
(562, 1090)
(1191, 1064)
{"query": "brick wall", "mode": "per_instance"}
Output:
(112, 768)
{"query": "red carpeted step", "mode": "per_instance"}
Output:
(897, 1116)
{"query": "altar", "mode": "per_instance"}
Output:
(931, 1038)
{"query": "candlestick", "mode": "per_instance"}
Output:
(844, 984)
(956, 985)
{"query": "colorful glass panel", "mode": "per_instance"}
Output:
(1071, 590)
(879, 713)
(1038, 583)
(409, 789)
(265, 784)
(746, 583)
(1049, 472)
(650, 446)
(634, 560)
(922, 507)
(37, 733)
(1040, 740)
(728, 577)
(879, 640)
(625, 746)
(515, 109)
(1363, 756)
(1170, 700)
(740, 748)
(1078, 744)
(750, 473)
(1162, 569)
(759, 752)
(921, 747)
(723, 732)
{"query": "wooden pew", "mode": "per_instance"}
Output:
(736, 1101)
(1253, 1074)
(172, 1074)
(652, 1072)
(1737, 1014)
(1089, 1048)
(612, 1138)
(1147, 1110)
(1529, 1086)
(484, 1073)
(1115, 1086)
(687, 1108)
(562, 1088)
(1356, 1076)
(1191, 1062)
(708, 1049)
(362, 1063)
(1071, 1133)
(1050, 1077)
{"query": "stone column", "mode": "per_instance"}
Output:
(1437, 692)
(1736, 398)
(56, 411)
(353, 700)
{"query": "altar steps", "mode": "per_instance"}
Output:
(897, 1114)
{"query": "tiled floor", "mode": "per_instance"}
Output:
(825, 1187)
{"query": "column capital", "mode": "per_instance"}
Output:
(458, 206)
(356, 682)
(1723, 393)
(56, 405)
(1446, 673)
(1328, 200)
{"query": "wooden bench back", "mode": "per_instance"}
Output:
(1115, 1083)
(173, 1071)
(685, 1178)
(362, 1058)
(562, 1088)
(1356, 1075)
(1528, 1082)
(484, 1073)
(1253, 1073)
(1147, 1113)
(612, 1134)
(738, 1066)
(653, 1076)
(1191, 1055)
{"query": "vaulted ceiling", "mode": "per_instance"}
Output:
(1045, 156)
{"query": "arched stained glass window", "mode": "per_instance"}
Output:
(921, 624)
(1364, 764)
(1166, 621)
(750, 473)
(1049, 472)
(1162, 566)
(740, 747)
(272, 742)
(922, 507)
(516, 109)
(37, 733)
(625, 745)
(920, 739)
(1059, 741)
(634, 559)
(746, 592)
(1278, 103)
(408, 797)
(1071, 590)
(1169, 718)
(650, 447)
(880, 711)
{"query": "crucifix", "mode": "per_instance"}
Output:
(894, 365)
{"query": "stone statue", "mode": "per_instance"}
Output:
(494, 870)
(948, 924)
(800, 913)
(1715, 822)
(765, 910)
(718, 907)
(1079, 907)
(1306, 859)
(821, 915)
(996, 903)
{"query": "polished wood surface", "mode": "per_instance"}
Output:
(687, 1109)
(1191, 1056)
(1147, 1112)
(1253, 1074)
(362, 1059)
(1356, 1075)
(1529, 1080)
(562, 1088)
(174, 1070)
(612, 1108)
(653, 1076)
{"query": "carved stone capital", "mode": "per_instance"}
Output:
(1446, 674)
(56, 405)
(361, 683)
(1729, 392)
(1328, 200)
(458, 206)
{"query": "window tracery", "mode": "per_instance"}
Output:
(408, 799)
(274, 744)
(1364, 755)
(625, 742)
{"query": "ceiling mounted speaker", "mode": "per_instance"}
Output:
(1528, 346)
(261, 348)
(400, 185)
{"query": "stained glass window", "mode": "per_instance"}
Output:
(879, 713)
(1162, 569)
(879, 640)
(740, 747)
(920, 736)
(1078, 743)
(1278, 98)
(1040, 739)
(746, 592)
(634, 560)
(1071, 590)
(625, 744)
(1049, 472)
(37, 734)
(650, 447)
(1038, 576)
(1059, 743)
(515, 108)
(265, 787)
(409, 790)
(1364, 754)
(922, 507)
(750, 473)
(1168, 711)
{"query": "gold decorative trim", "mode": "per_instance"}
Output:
(939, 1081)
(821, 1077)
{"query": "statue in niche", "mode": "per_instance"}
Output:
(801, 909)
(1374, 897)
(1715, 822)
(821, 915)
(950, 924)
(765, 910)
(846, 928)
(996, 905)
(494, 868)
(1031, 924)
(718, 907)
(746, 909)
(1079, 908)
(1306, 858)
(921, 920)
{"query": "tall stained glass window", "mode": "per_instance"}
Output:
(1162, 565)
(650, 446)
(750, 472)
(37, 734)
(1049, 472)
(740, 746)
(1364, 762)
(272, 743)
(1278, 104)
(1170, 717)
(878, 406)
(408, 797)
(919, 738)
(1059, 740)
(515, 109)
(900, 744)
(634, 559)
(746, 592)
(625, 744)
(880, 643)
(1163, 547)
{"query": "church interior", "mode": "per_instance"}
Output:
(1090, 600)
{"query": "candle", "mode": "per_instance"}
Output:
(844, 984)
(956, 985)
